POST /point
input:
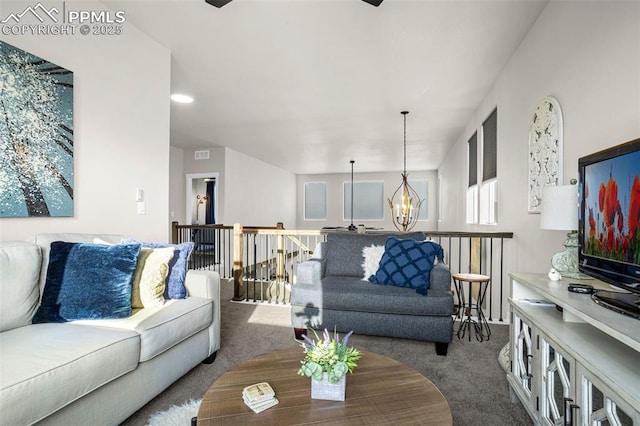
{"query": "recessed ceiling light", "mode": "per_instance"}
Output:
(183, 99)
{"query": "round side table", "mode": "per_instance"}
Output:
(479, 325)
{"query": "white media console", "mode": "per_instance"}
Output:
(573, 362)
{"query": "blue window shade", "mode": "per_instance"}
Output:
(368, 201)
(315, 201)
(473, 160)
(490, 146)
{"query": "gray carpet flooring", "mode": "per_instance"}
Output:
(469, 377)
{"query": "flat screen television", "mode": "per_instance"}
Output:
(609, 224)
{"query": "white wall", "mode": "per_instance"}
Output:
(177, 185)
(213, 166)
(121, 132)
(335, 196)
(250, 191)
(587, 55)
(257, 193)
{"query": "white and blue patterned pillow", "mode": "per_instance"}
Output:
(407, 263)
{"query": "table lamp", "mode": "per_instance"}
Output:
(559, 211)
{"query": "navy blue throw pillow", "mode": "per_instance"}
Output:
(407, 263)
(88, 281)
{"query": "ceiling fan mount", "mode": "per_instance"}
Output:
(217, 3)
(220, 3)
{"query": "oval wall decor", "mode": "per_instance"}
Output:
(545, 150)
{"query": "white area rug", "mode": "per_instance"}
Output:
(177, 415)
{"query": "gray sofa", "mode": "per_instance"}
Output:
(330, 293)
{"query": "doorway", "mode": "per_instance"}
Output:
(202, 198)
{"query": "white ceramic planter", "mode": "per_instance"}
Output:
(322, 389)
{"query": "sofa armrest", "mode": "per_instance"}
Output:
(311, 271)
(207, 284)
(203, 284)
(440, 278)
(320, 252)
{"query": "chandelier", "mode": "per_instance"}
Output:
(405, 202)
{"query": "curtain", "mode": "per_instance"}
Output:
(210, 218)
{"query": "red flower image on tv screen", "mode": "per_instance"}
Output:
(614, 210)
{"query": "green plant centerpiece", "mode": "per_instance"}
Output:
(328, 355)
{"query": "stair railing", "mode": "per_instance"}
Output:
(262, 261)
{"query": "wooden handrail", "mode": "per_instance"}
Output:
(469, 234)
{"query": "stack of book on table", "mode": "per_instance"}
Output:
(259, 397)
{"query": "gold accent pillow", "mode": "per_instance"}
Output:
(150, 277)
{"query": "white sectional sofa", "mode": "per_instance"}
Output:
(94, 372)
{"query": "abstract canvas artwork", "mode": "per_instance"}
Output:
(36, 136)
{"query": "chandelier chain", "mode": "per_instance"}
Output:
(404, 113)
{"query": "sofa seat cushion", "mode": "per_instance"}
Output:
(161, 328)
(54, 364)
(353, 294)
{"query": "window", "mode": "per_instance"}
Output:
(315, 201)
(489, 186)
(368, 201)
(489, 203)
(482, 198)
(472, 202)
(472, 187)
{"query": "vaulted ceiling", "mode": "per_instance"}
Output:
(308, 85)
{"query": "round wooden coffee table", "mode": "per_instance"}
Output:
(380, 391)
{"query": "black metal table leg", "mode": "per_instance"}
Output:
(480, 325)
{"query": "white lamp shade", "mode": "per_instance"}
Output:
(559, 209)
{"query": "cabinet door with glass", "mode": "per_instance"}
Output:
(522, 360)
(599, 405)
(557, 386)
